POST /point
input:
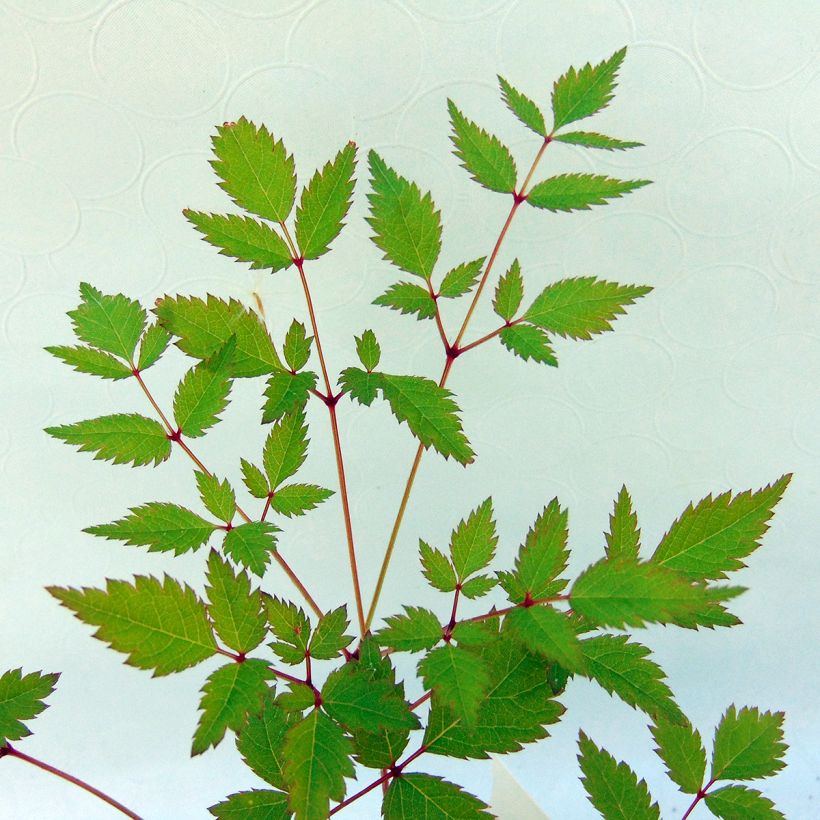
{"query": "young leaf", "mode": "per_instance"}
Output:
(255, 169)
(580, 93)
(624, 669)
(581, 307)
(613, 788)
(430, 797)
(204, 326)
(487, 160)
(256, 804)
(203, 394)
(362, 386)
(21, 698)
(230, 694)
(620, 593)
(548, 633)
(236, 610)
(160, 526)
(437, 568)
(430, 413)
(317, 760)
(589, 139)
(623, 541)
(461, 279)
(296, 349)
(290, 624)
(473, 542)
(459, 679)
(523, 108)
(254, 479)
(242, 238)
(408, 298)
(251, 545)
(748, 744)
(741, 803)
(154, 342)
(681, 749)
(123, 438)
(260, 741)
(478, 586)
(368, 350)
(217, 496)
(711, 538)
(529, 342)
(111, 323)
(417, 629)
(285, 448)
(297, 499)
(92, 361)
(325, 203)
(509, 292)
(329, 637)
(578, 192)
(286, 393)
(406, 224)
(160, 625)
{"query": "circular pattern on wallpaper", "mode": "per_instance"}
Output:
(795, 242)
(18, 62)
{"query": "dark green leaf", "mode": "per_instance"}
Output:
(111, 323)
(92, 361)
(217, 496)
(681, 749)
(433, 798)
(624, 537)
(589, 139)
(509, 292)
(437, 568)
(368, 350)
(297, 499)
(473, 542)
(577, 192)
(548, 633)
(459, 679)
(523, 108)
(21, 698)
(408, 298)
(742, 803)
(529, 342)
(154, 342)
(417, 629)
(285, 448)
(329, 638)
(256, 804)
(748, 744)
(286, 393)
(297, 698)
(260, 741)
(461, 279)
(475, 633)
(251, 545)
(296, 348)
(254, 480)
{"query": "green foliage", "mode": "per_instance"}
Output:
(154, 342)
(458, 678)
(549, 633)
(286, 393)
(92, 361)
(297, 499)
(285, 448)
(414, 631)
(741, 803)
(408, 297)
(590, 139)
(461, 279)
(251, 545)
(292, 628)
(681, 749)
(529, 342)
(578, 192)
(368, 350)
(748, 744)
(21, 698)
(203, 394)
(256, 804)
(296, 348)
(254, 479)
(424, 795)
(509, 292)
(260, 740)
(523, 107)
(329, 638)
(473, 542)
(437, 568)
(623, 541)
(217, 496)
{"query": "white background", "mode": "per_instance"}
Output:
(710, 383)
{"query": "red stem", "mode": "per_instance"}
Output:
(698, 797)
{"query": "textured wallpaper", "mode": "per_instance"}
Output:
(710, 383)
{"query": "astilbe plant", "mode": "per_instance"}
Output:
(308, 697)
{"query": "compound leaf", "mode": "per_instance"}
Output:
(523, 108)
(458, 678)
(417, 629)
(92, 361)
(624, 537)
(748, 744)
(741, 803)
(251, 545)
(548, 633)
(286, 393)
(529, 342)
(21, 698)
(589, 139)
(461, 279)
(111, 323)
(681, 749)
(408, 298)
(509, 292)
(297, 499)
(430, 797)
(578, 192)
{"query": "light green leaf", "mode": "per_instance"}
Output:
(251, 545)
(487, 160)
(160, 526)
(154, 342)
(433, 798)
(473, 542)
(21, 698)
(111, 323)
(748, 744)
(417, 629)
(329, 638)
(742, 803)
(325, 203)
(160, 625)
(623, 541)
(478, 587)
(523, 108)
(509, 292)
(217, 496)
(461, 279)
(254, 479)
(297, 499)
(203, 394)
(406, 224)
(317, 760)
(589, 139)
(285, 448)
(408, 298)
(92, 361)
(577, 192)
(260, 741)
(529, 342)
(255, 169)
(581, 93)
(296, 348)
(242, 238)
(681, 749)
(437, 568)
(236, 610)
(711, 538)
(458, 678)
(548, 633)
(230, 694)
(613, 788)
(581, 307)
(123, 438)
(286, 393)
(368, 350)
(256, 804)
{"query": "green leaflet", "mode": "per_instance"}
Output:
(260, 741)
(529, 342)
(297, 499)
(681, 749)
(154, 342)
(523, 107)
(406, 224)
(217, 496)
(741, 803)
(613, 788)
(408, 298)
(123, 438)
(236, 610)
(256, 170)
(459, 679)
(111, 323)
(286, 393)
(433, 798)
(329, 637)
(414, 631)
(484, 156)
(317, 761)
(362, 386)
(461, 279)
(230, 694)
(296, 348)
(285, 448)
(92, 361)
(589, 139)
(548, 633)
(325, 203)
(509, 292)
(291, 626)
(711, 538)
(256, 804)
(581, 93)
(203, 394)
(160, 625)
(624, 537)
(254, 479)
(623, 668)
(368, 350)
(748, 744)
(160, 526)
(581, 307)
(251, 545)
(297, 698)
(578, 192)
(478, 586)
(21, 698)
(242, 238)
(437, 568)
(203, 326)
(473, 542)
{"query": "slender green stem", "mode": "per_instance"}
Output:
(9, 751)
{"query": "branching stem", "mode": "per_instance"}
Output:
(698, 797)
